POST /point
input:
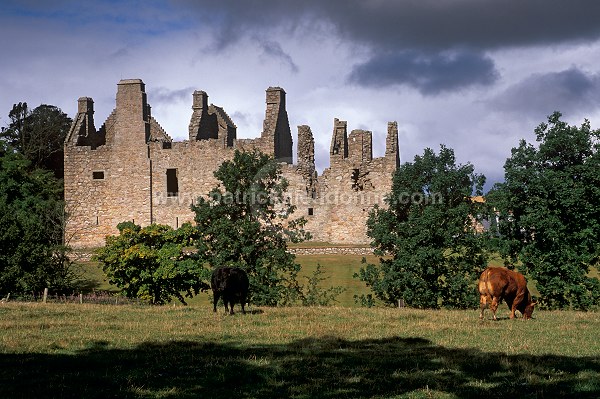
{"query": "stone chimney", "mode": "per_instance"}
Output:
(203, 125)
(360, 147)
(306, 149)
(133, 126)
(339, 142)
(85, 105)
(82, 130)
(276, 134)
(392, 148)
(200, 100)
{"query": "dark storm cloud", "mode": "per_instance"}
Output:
(568, 91)
(430, 74)
(431, 24)
(479, 24)
(409, 40)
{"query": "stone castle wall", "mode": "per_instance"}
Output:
(130, 169)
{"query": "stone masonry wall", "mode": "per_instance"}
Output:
(109, 184)
(124, 170)
(195, 162)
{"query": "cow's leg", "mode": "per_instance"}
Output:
(215, 300)
(510, 303)
(494, 306)
(225, 302)
(482, 305)
(516, 302)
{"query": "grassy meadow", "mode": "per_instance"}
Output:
(139, 351)
(339, 271)
(133, 351)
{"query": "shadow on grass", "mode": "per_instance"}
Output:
(308, 368)
(84, 284)
(88, 277)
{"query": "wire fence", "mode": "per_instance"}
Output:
(95, 297)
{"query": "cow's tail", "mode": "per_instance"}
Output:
(484, 292)
(483, 282)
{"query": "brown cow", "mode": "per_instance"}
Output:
(498, 283)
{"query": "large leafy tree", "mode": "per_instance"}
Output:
(32, 255)
(245, 222)
(433, 252)
(549, 212)
(38, 134)
(154, 263)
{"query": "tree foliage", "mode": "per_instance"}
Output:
(549, 212)
(153, 263)
(39, 135)
(433, 253)
(32, 255)
(245, 222)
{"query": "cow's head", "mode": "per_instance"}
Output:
(528, 310)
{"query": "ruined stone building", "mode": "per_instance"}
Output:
(131, 169)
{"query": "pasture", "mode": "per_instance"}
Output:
(338, 271)
(140, 351)
(134, 351)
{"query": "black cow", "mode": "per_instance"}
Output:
(230, 283)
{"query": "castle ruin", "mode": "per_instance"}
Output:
(131, 169)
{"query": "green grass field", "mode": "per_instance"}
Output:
(101, 351)
(139, 351)
(339, 271)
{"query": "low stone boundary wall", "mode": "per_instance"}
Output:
(86, 255)
(332, 251)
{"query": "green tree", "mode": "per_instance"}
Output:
(153, 263)
(549, 212)
(32, 255)
(433, 252)
(245, 222)
(39, 135)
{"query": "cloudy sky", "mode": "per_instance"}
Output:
(475, 75)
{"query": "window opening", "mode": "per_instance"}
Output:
(98, 175)
(172, 183)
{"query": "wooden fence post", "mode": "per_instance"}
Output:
(80, 298)
(45, 294)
